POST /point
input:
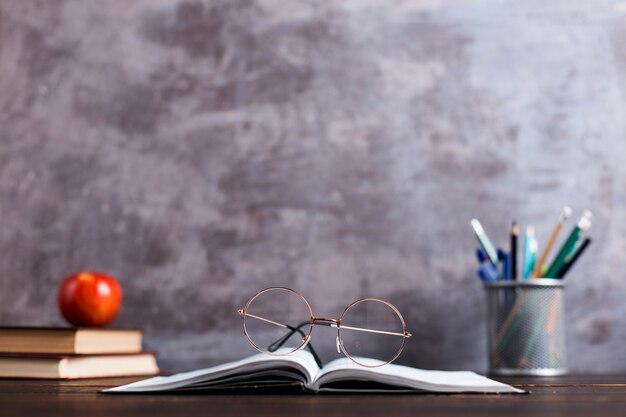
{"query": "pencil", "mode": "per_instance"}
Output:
(565, 213)
(530, 252)
(514, 237)
(571, 260)
(569, 246)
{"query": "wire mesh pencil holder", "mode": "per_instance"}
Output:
(525, 327)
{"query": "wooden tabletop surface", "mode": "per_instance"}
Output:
(595, 395)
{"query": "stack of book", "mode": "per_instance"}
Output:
(68, 353)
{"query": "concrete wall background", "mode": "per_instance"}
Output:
(200, 151)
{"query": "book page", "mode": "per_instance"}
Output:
(301, 361)
(403, 376)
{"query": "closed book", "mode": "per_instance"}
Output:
(52, 366)
(82, 340)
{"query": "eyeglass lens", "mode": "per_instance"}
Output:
(371, 332)
(277, 318)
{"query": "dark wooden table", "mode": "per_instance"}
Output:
(596, 396)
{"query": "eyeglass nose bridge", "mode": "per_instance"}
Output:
(326, 321)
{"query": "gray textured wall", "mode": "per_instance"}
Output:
(201, 151)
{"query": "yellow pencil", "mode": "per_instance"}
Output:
(565, 213)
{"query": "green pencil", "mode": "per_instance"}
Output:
(570, 245)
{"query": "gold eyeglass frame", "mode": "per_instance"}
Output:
(336, 323)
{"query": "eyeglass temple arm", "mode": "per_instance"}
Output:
(324, 322)
(277, 344)
(280, 342)
(360, 329)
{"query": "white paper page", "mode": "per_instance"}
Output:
(301, 360)
(404, 376)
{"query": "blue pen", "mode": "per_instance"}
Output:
(481, 255)
(481, 274)
(505, 258)
(487, 272)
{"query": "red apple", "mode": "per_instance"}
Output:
(90, 299)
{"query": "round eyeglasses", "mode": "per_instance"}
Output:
(279, 321)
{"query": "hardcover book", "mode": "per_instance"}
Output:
(53, 366)
(69, 340)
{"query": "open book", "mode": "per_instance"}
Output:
(300, 370)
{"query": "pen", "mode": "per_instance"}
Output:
(569, 246)
(530, 251)
(572, 259)
(505, 258)
(514, 237)
(480, 255)
(487, 272)
(484, 241)
(565, 213)
(481, 274)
